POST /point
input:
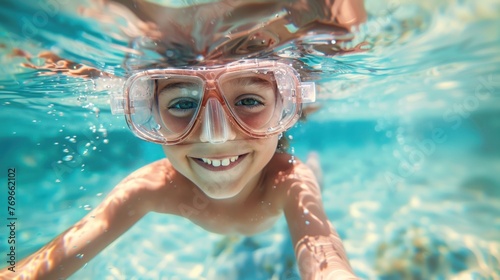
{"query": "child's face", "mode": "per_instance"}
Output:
(222, 170)
(219, 124)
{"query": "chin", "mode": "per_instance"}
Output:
(217, 193)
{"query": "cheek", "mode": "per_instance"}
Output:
(174, 155)
(166, 151)
(268, 146)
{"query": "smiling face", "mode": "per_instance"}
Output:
(223, 170)
(234, 167)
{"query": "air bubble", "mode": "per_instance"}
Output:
(96, 111)
(68, 158)
(396, 154)
(82, 98)
(400, 139)
(80, 256)
(200, 58)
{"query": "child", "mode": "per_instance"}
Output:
(220, 126)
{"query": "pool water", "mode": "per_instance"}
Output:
(408, 137)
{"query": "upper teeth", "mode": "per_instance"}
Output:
(219, 162)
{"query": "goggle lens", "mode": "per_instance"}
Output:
(251, 96)
(178, 100)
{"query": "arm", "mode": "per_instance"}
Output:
(123, 207)
(318, 248)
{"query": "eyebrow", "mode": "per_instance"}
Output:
(173, 85)
(246, 81)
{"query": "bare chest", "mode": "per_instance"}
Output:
(246, 220)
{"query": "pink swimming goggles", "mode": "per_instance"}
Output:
(260, 97)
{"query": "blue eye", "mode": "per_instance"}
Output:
(249, 102)
(184, 105)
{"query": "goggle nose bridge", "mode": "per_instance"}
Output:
(215, 125)
(210, 90)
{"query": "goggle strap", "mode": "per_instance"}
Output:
(308, 92)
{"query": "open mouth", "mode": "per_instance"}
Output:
(220, 164)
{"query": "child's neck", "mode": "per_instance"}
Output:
(254, 187)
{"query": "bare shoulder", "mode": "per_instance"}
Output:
(286, 168)
(155, 184)
(290, 175)
(152, 170)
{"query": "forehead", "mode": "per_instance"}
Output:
(248, 80)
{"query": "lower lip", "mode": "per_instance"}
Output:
(220, 168)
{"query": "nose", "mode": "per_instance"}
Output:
(215, 126)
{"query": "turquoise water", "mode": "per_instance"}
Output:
(407, 134)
